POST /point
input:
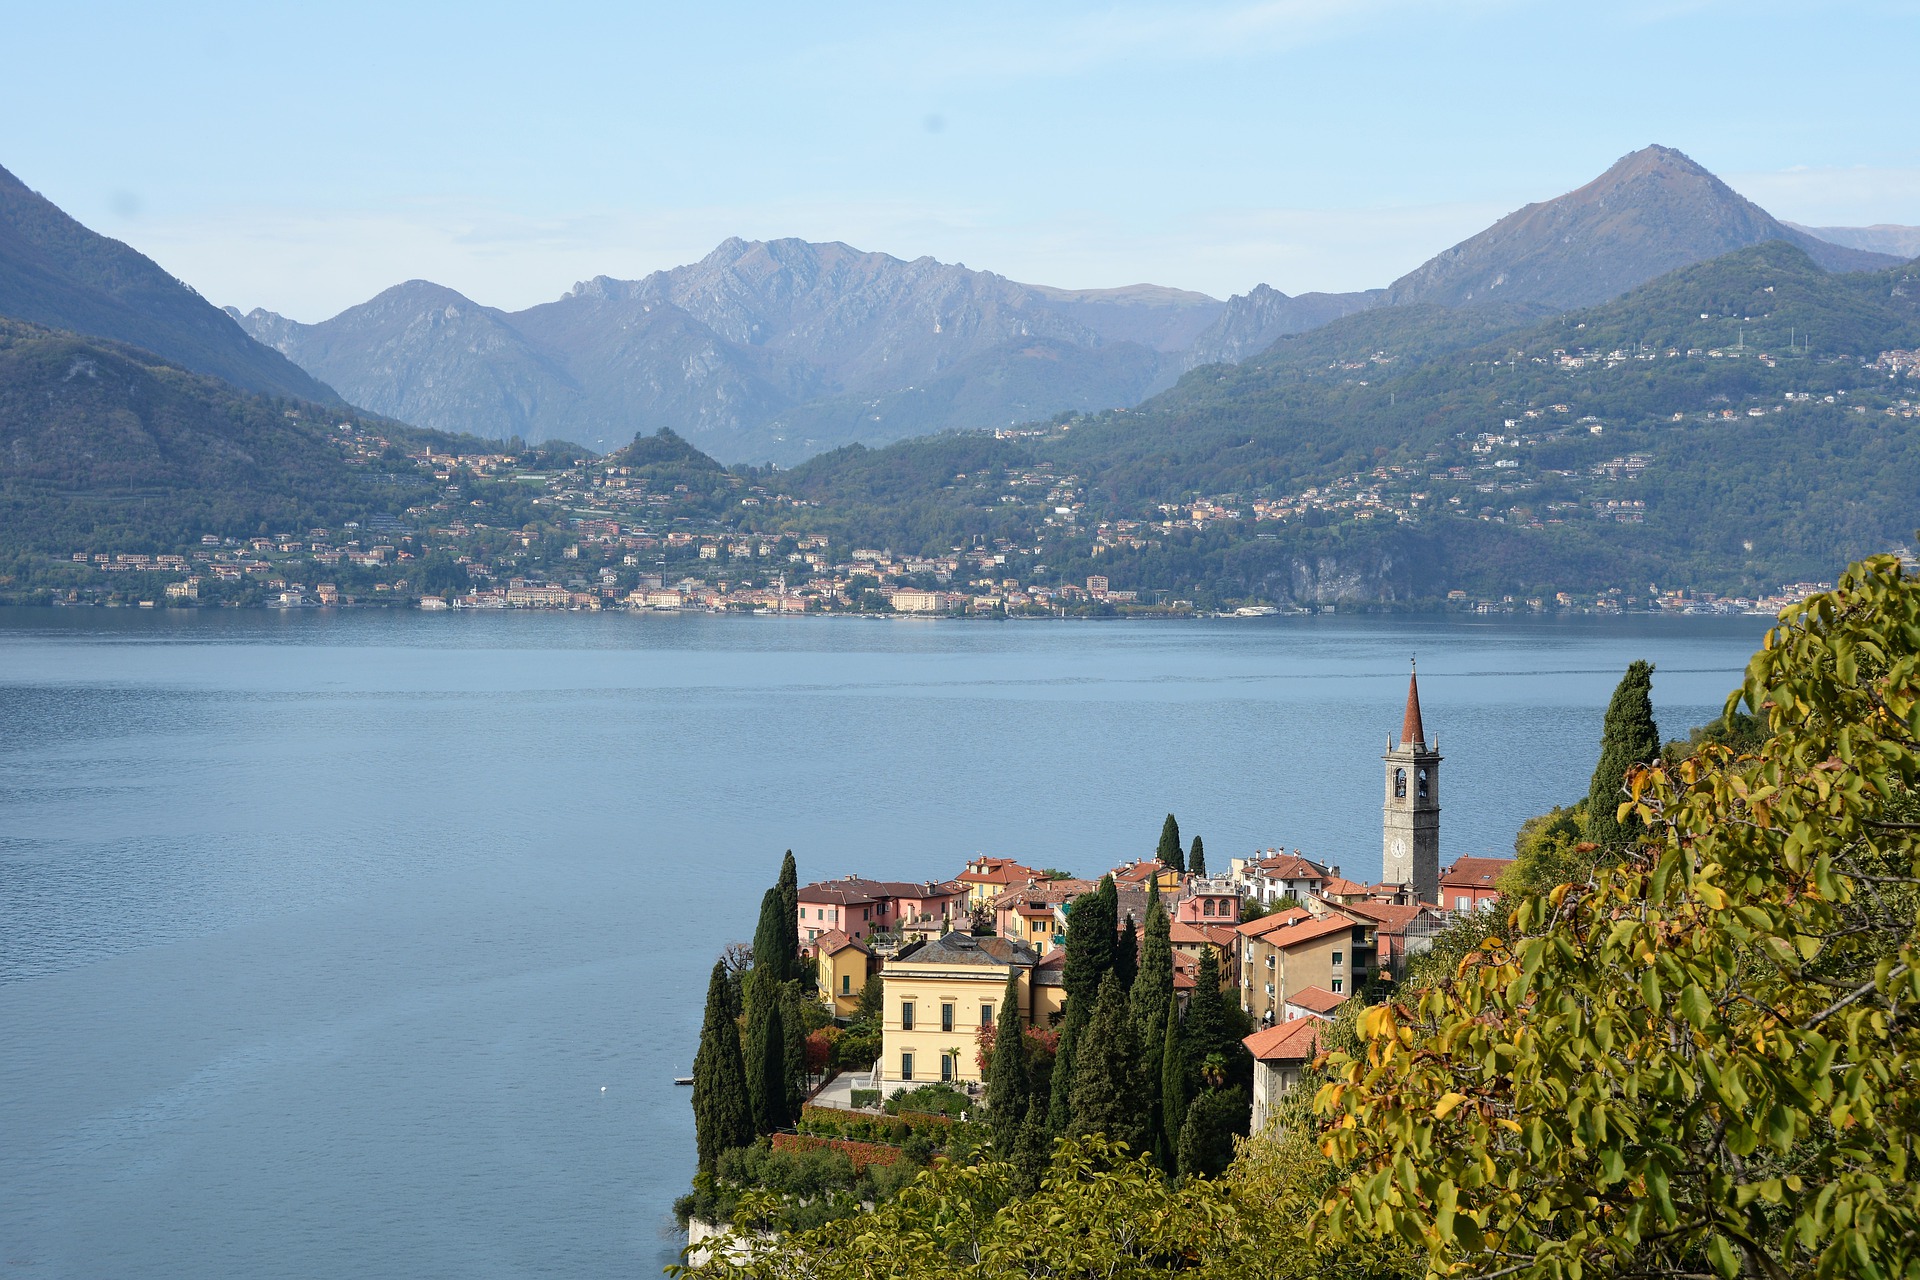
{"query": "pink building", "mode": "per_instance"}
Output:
(1208, 902)
(859, 908)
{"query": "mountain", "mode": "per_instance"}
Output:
(1254, 321)
(748, 351)
(1884, 237)
(105, 446)
(1652, 212)
(57, 273)
(1687, 432)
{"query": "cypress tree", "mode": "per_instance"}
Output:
(1008, 1085)
(1059, 1110)
(1169, 850)
(1197, 860)
(1206, 1029)
(1126, 955)
(790, 899)
(1206, 1138)
(793, 1025)
(772, 962)
(1152, 993)
(1629, 738)
(1105, 1096)
(1090, 942)
(1032, 1149)
(722, 1111)
(1173, 1086)
(767, 1074)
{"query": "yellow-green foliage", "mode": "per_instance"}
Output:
(1703, 1060)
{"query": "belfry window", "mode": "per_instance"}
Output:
(1423, 784)
(1399, 784)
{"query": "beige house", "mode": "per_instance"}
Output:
(1281, 1055)
(939, 994)
(1283, 955)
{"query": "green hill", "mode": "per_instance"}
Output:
(103, 446)
(1733, 401)
(55, 272)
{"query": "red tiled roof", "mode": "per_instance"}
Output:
(1342, 886)
(856, 890)
(1291, 866)
(1411, 730)
(1391, 917)
(1474, 873)
(1317, 1000)
(1306, 931)
(834, 941)
(1263, 924)
(1219, 935)
(1295, 1041)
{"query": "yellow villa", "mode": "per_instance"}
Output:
(843, 968)
(939, 994)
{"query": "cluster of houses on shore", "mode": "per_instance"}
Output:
(1292, 936)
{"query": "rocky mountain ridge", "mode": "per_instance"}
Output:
(777, 350)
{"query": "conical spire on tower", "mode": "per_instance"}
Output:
(1412, 733)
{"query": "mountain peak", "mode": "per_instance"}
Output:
(1652, 211)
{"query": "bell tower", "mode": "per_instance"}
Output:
(1410, 851)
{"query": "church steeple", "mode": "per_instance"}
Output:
(1410, 844)
(1412, 732)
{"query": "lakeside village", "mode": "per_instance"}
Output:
(897, 993)
(502, 533)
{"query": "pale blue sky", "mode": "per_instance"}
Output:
(304, 157)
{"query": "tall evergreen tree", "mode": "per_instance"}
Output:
(1206, 1030)
(771, 959)
(1091, 939)
(1197, 859)
(767, 1073)
(1173, 1087)
(1105, 1096)
(793, 1026)
(1059, 1101)
(1032, 1148)
(1149, 999)
(1206, 1138)
(1169, 850)
(1629, 738)
(790, 898)
(1009, 1087)
(1126, 955)
(722, 1110)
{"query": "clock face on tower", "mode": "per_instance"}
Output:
(1399, 847)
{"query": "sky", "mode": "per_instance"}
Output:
(305, 157)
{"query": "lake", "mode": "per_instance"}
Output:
(368, 944)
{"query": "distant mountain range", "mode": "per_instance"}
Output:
(778, 350)
(55, 272)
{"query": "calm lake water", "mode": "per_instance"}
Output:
(368, 945)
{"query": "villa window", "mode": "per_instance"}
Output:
(986, 1015)
(1339, 958)
(846, 984)
(1337, 985)
(906, 1016)
(1206, 908)
(946, 1067)
(946, 1017)
(906, 1066)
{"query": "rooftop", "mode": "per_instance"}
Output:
(1295, 1041)
(964, 948)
